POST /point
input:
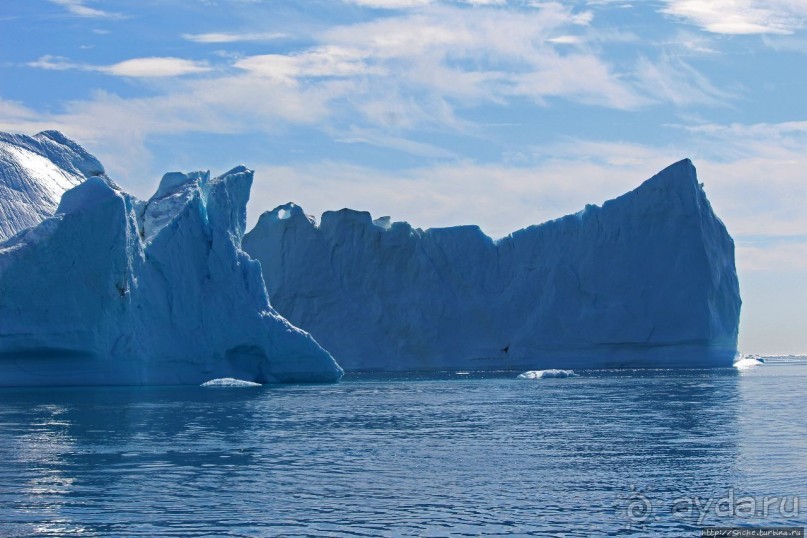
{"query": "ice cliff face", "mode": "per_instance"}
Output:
(34, 173)
(646, 280)
(114, 290)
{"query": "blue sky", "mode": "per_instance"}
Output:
(502, 113)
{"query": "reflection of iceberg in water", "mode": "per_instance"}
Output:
(99, 461)
(37, 457)
(182, 461)
(643, 423)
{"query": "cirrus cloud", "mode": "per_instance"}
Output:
(741, 16)
(80, 9)
(233, 37)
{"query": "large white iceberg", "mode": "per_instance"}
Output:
(646, 280)
(34, 173)
(114, 290)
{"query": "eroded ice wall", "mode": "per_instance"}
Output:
(648, 279)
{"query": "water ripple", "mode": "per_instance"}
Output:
(403, 455)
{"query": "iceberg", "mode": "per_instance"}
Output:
(34, 173)
(547, 374)
(645, 280)
(112, 290)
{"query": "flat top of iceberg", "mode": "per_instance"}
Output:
(676, 177)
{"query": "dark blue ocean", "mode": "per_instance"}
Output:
(643, 453)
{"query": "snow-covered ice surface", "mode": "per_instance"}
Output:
(114, 290)
(646, 280)
(229, 382)
(34, 173)
(545, 374)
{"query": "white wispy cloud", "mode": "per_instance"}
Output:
(782, 132)
(80, 9)
(381, 82)
(565, 40)
(379, 138)
(53, 63)
(692, 43)
(233, 37)
(331, 61)
(389, 4)
(133, 68)
(487, 55)
(392, 75)
(409, 4)
(486, 2)
(772, 255)
(16, 117)
(155, 67)
(670, 79)
(741, 16)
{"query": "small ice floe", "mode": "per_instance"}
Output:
(544, 374)
(743, 362)
(229, 382)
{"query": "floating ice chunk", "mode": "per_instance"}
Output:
(230, 382)
(744, 362)
(544, 374)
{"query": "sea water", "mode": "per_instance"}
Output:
(647, 453)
